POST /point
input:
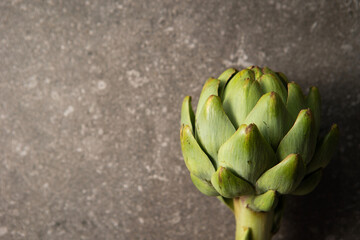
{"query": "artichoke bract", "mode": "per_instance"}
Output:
(252, 140)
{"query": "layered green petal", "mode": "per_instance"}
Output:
(295, 101)
(271, 83)
(240, 97)
(267, 70)
(196, 160)
(300, 139)
(270, 116)
(203, 186)
(309, 183)
(283, 177)
(279, 75)
(325, 151)
(314, 103)
(187, 114)
(229, 185)
(213, 127)
(244, 74)
(224, 78)
(211, 87)
(263, 202)
(257, 71)
(247, 153)
(227, 74)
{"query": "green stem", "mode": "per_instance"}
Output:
(251, 225)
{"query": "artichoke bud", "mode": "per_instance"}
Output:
(203, 186)
(300, 139)
(229, 185)
(247, 153)
(326, 149)
(213, 127)
(309, 183)
(253, 139)
(283, 177)
(270, 116)
(264, 202)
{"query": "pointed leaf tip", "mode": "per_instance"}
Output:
(247, 153)
(257, 71)
(249, 128)
(283, 177)
(240, 96)
(210, 87)
(270, 116)
(227, 75)
(264, 202)
(270, 82)
(267, 70)
(229, 185)
(325, 150)
(224, 78)
(300, 139)
(295, 101)
(203, 186)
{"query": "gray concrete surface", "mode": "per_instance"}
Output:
(90, 95)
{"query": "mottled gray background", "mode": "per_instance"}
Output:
(90, 95)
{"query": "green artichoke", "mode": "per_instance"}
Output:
(254, 139)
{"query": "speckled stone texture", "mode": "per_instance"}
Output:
(90, 96)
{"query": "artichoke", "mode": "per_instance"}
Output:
(252, 140)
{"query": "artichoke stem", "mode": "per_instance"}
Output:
(256, 225)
